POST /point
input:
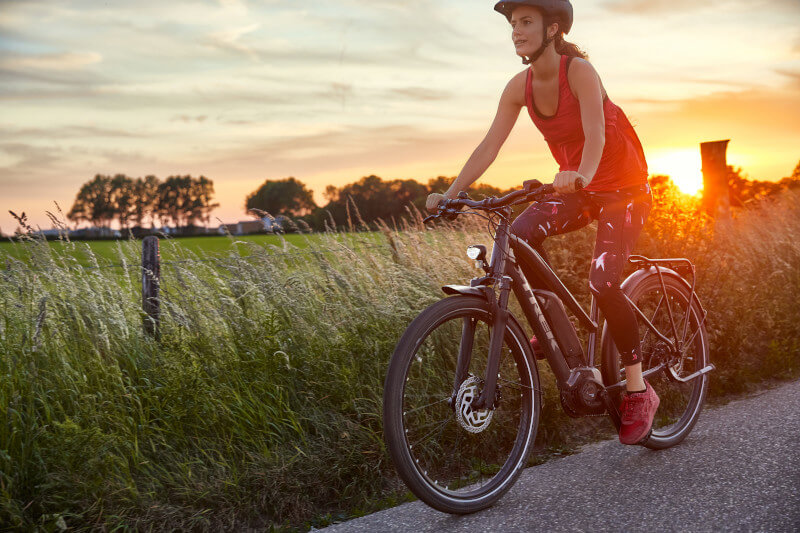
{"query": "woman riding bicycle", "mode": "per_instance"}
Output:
(595, 145)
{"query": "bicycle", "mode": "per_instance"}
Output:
(462, 401)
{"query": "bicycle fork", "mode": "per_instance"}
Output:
(499, 311)
(487, 397)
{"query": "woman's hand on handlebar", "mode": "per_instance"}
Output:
(433, 201)
(566, 182)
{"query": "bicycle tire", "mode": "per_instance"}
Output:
(681, 403)
(419, 374)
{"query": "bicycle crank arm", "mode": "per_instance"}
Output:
(611, 408)
(621, 385)
(705, 370)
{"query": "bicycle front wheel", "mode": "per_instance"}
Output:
(453, 458)
(667, 308)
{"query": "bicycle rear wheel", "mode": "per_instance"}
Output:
(453, 458)
(681, 403)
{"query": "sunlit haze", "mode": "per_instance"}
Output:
(242, 91)
(684, 166)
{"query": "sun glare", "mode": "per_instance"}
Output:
(683, 166)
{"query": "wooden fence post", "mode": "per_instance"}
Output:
(715, 179)
(151, 278)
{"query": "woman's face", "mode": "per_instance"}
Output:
(526, 25)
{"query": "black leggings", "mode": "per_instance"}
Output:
(620, 215)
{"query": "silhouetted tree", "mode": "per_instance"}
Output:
(793, 181)
(742, 190)
(184, 200)
(477, 191)
(202, 194)
(146, 198)
(94, 203)
(374, 198)
(123, 199)
(288, 197)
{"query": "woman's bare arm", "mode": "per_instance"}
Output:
(585, 84)
(508, 110)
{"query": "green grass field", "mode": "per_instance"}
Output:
(110, 251)
(259, 406)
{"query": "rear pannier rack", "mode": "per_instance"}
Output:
(675, 263)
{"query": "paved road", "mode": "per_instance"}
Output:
(739, 470)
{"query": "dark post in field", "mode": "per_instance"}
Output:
(715, 179)
(151, 277)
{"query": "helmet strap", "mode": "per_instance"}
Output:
(538, 53)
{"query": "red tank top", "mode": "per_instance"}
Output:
(622, 163)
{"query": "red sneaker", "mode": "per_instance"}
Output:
(537, 349)
(638, 411)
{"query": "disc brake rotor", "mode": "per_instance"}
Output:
(470, 419)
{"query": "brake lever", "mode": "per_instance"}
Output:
(444, 212)
(450, 214)
(531, 185)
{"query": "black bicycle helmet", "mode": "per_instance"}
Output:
(559, 10)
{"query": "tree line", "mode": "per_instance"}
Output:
(184, 201)
(375, 198)
(366, 200)
(180, 201)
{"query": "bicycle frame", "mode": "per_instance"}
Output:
(504, 273)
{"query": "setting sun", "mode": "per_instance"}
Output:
(683, 166)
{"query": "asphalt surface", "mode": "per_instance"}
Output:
(739, 470)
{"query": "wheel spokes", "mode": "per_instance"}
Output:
(668, 307)
(452, 458)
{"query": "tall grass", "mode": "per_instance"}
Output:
(260, 404)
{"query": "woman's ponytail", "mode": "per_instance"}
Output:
(566, 48)
(562, 47)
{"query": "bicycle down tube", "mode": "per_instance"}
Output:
(509, 276)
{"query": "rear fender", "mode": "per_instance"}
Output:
(631, 282)
(641, 273)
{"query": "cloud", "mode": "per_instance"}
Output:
(49, 85)
(235, 6)
(189, 118)
(50, 62)
(756, 109)
(310, 56)
(230, 39)
(718, 82)
(651, 7)
(66, 132)
(647, 7)
(28, 158)
(764, 135)
(420, 94)
(793, 75)
(339, 92)
(378, 148)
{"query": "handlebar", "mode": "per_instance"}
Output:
(530, 191)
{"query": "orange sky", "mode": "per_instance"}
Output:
(242, 91)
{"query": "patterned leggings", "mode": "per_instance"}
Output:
(620, 215)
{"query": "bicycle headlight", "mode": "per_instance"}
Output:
(477, 252)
